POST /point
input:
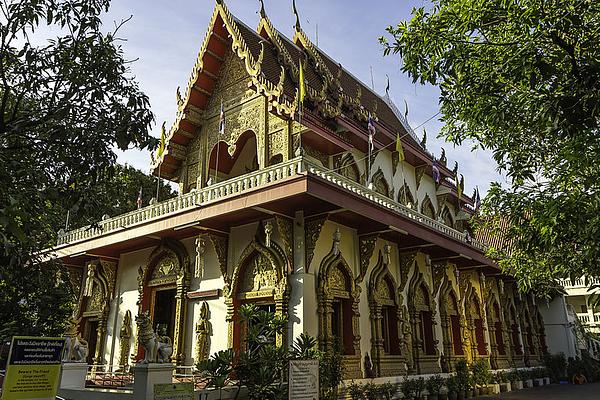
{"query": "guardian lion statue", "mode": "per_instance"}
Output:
(76, 348)
(157, 349)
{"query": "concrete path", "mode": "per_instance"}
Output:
(590, 391)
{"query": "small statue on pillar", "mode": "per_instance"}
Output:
(203, 332)
(124, 336)
(369, 373)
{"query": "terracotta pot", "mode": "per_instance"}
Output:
(505, 387)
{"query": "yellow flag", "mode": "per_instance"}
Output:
(399, 148)
(161, 144)
(302, 88)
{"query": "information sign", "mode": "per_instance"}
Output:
(173, 391)
(304, 380)
(33, 369)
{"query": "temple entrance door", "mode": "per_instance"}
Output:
(90, 334)
(163, 311)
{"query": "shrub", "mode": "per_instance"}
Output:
(452, 384)
(407, 388)
(388, 390)
(355, 391)
(372, 391)
(463, 377)
(481, 373)
(419, 385)
(434, 384)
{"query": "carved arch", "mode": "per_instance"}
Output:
(380, 184)
(385, 314)
(346, 166)
(446, 216)
(427, 207)
(406, 197)
(422, 310)
(337, 292)
(265, 262)
(451, 322)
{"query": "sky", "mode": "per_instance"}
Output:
(164, 37)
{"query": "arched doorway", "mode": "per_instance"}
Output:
(95, 306)
(162, 284)
(422, 317)
(229, 161)
(380, 184)
(475, 325)
(259, 279)
(338, 299)
(451, 326)
(499, 354)
(515, 333)
(385, 316)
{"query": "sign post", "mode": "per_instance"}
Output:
(304, 380)
(33, 369)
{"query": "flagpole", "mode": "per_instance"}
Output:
(158, 182)
(217, 163)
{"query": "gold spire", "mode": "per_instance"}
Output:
(297, 26)
(263, 13)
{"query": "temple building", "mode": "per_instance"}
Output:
(286, 208)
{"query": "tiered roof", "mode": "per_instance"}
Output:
(272, 62)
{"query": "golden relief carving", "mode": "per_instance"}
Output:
(192, 175)
(382, 291)
(96, 300)
(366, 248)
(165, 271)
(285, 227)
(278, 144)
(317, 155)
(124, 336)
(259, 275)
(337, 280)
(313, 230)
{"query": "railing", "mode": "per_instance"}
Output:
(579, 282)
(250, 181)
(189, 200)
(109, 376)
(384, 201)
(584, 318)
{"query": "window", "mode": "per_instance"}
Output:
(385, 328)
(584, 308)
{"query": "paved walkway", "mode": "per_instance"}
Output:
(591, 391)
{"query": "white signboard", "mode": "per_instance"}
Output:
(304, 380)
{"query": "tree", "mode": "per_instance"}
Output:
(65, 103)
(521, 78)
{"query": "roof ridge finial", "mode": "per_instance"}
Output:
(387, 88)
(297, 26)
(263, 13)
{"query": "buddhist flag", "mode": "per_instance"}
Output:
(161, 144)
(477, 199)
(139, 199)
(435, 171)
(301, 88)
(222, 119)
(399, 148)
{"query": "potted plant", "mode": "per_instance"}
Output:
(463, 379)
(527, 378)
(372, 391)
(494, 384)
(452, 387)
(480, 371)
(434, 386)
(516, 382)
(503, 381)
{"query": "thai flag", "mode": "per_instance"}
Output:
(222, 120)
(435, 171)
(372, 130)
